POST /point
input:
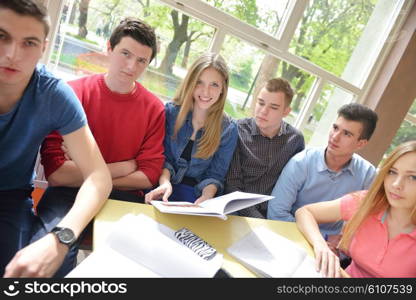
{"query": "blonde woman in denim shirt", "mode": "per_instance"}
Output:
(200, 138)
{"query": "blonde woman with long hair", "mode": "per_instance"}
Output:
(200, 138)
(380, 235)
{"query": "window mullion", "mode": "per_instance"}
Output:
(313, 98)
(217, 41)
(290, 22)
(226, 22)
(319, 72)
(54, 12)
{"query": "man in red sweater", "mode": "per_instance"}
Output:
(127, 121)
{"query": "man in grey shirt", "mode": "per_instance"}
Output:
(265, 145)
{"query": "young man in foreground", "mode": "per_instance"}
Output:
(32, 104)
(127, 121)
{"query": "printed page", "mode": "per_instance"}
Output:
(154, 246)
(219, 206)
(269, 254)
(185, 208)
(107, 263)
(307, 269)
(141, 247)
(233, 202)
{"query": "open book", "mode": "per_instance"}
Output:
(270, 255)
(141, 247)
(215, 207)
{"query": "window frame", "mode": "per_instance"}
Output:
(226, 24)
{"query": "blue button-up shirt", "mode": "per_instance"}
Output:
(204, 171)
(307, 179)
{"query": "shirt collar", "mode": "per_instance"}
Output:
(321, 162)
(188, 117)
(255, 130)
(323, 167)
(188, 121)
(350, 165)
(283, 128)
(382, 216)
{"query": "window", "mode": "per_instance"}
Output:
(333, 47)
(242, 70)
(82, 47)
(302, 83)
(265, 15)
(344, 36)
(247, 76)
(325, 113)
(407, 130)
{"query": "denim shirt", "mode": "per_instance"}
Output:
(204, 171)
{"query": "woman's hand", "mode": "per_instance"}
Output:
(208, 192)
(201, 199)
(163, 192)
(65, 150)
(327, 262)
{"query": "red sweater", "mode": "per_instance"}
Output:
(125, 126)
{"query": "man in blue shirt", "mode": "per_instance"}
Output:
(316, 174)
(32, 104)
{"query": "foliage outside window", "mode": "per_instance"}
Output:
(243, 68)
(327, 36)
(265, 15)
(89, 25)
(329, 32)
(406, 132)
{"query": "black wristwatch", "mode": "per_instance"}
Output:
(65, 235)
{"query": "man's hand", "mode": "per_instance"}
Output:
(39, 259)
(66, 153)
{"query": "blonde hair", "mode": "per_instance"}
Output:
(211, 137)
(375, 201)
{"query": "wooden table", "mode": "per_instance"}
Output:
(221, 234)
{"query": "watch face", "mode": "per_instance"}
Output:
(66, 235)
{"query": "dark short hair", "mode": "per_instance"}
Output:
(137, 30)
(276, 85)
(360, 113)
(32, 8)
